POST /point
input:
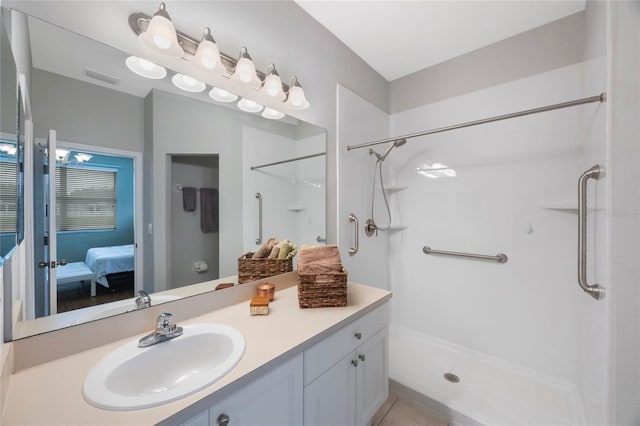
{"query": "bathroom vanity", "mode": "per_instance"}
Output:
(300, 366)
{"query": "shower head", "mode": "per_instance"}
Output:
(396, 143)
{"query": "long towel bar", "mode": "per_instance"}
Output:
(500, 257)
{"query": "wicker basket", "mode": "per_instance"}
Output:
(322, 291)
(256, 269)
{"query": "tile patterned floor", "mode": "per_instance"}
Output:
(400, 412)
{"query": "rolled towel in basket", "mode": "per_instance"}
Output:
(265, 249)
(316, 260)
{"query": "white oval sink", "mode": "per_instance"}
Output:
(120, 307)
(131, 378)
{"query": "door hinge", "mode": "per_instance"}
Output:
(45, 169)
(46, 241)
(21, 167)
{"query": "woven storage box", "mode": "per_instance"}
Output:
(323, 290)
(257, 269)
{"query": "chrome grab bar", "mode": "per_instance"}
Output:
(354, 218)
(500, 257)
(320, 239)
(259, 239)
(594, 290)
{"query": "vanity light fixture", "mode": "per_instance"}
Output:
(208, 56)
(222, 95)
(188, 84)
(161, 36)
(247, 105)
(145, 68)
(229, 74)
(272, 114)
(295, 97)
(272, 85)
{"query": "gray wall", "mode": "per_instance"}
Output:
(554, 45)
(85, 113)
(188, 243)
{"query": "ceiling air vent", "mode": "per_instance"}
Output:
(101, 76)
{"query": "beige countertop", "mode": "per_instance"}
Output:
(51, 393)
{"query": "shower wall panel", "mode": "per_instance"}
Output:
(506, 187)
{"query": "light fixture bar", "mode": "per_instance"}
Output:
(138, 22)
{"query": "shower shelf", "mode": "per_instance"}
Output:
(394, 188)
(296, 208)
(565, 205)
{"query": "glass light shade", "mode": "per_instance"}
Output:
(296, 98)
(222, 95)
(161, 36)
(82, 157)
(145, 68)
(272, 87)
(208, 56)
(61, 154)
(248, 105)
(188, 84)
(245, 71)
(272, 114)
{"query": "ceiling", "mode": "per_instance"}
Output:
(397, 38)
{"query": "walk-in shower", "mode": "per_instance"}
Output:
(371, 227)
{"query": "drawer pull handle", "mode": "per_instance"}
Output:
(361, 356)
(354, 362)
(223, 420)
(358, 335)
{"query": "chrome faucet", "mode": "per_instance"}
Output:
(143, 300)
(164, 331)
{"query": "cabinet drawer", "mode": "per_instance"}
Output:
(320, 357)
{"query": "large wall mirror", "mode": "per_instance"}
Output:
(129, 156)
(11, 148)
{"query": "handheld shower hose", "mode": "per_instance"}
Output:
(371, 226)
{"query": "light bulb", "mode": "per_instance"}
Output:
(207, 55)
(295, 97)
(161, 35)
(245, 71)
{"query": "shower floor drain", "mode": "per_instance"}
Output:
(450, 377)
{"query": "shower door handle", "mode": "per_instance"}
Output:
(259, 239)
(353, 218)
(594, 290)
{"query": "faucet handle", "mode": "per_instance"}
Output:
(164, 321)
(143, 300)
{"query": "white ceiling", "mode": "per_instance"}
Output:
(397, 38)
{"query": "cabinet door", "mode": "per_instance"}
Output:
(330, 399)
(274, 399)
(372, 376)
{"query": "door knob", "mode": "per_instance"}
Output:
(358, 335)
(361, 356)
(62, 262)
(43, 264)
(354, 362)
(223, 420)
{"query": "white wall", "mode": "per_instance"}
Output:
(524, 310)
(593, 336)
(624, 211)
(360, 121)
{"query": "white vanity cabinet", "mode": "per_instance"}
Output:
(273, 399)
(346, 374)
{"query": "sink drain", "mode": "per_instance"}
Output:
(450, 377)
